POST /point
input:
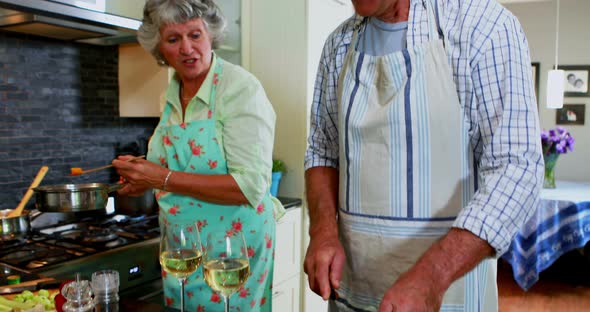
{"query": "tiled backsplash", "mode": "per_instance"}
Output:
(59, 107)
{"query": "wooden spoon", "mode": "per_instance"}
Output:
(76, 171)
(19, 209)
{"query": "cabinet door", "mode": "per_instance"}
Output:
(142, 83)
(311, 301)
(231, 48)
(285, 296)
(288, 246)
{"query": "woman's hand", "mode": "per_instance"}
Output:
(131, 190)
(139, 174)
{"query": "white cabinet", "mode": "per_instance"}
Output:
(142, 83)
(288, 246)
(287, 269)
(311, 302)
(285, 296)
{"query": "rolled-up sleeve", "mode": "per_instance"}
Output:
(506, 139)
(248, 123)
(323, 144)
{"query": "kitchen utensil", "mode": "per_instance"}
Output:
(41, 283)
(105, 285)
(19, 209)
(73, 197)
(78, 295)
(76, 171)
(13, 227)
(144, 204)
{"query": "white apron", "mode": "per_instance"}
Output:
(405, 172)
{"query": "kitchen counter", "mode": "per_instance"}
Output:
(289, 202)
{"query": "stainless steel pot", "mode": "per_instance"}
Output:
(144, 204)
(73, 197)
(14, 227)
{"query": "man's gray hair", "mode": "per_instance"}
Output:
(160, 12)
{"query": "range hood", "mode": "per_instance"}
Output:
(86, 21)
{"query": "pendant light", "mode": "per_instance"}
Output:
(556, 77)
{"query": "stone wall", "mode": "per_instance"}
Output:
(59, 108)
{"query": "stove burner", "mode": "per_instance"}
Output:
(17, 255)
(36, 264)
(116, 243)
(49, 260)
(92, 236)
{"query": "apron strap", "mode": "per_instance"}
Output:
(217, 71)
(433, 22)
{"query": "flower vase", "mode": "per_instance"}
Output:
(550, 161)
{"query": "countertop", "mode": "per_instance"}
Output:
(289, 202)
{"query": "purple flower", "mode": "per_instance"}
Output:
(556, 141)
(560, 147)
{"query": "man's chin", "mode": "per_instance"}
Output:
(364, 10)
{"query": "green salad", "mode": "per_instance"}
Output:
(27, 301)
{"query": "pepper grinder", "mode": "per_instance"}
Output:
(78, 295)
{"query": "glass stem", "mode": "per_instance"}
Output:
(181, 280)
(226, 301)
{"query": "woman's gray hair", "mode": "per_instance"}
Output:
(160, 12)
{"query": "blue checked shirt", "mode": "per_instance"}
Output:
(489, 55)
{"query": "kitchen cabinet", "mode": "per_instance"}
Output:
(285, 296)
(311, 302)
(288, 246)
(287, 270)
(142, 83)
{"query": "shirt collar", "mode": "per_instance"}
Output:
(204, 93)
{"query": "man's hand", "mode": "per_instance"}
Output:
(414, 291)
(323, 264)
(325, 256)
(422, 287)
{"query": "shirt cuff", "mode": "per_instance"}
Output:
(252, 186)
(314, 160)
(487, 228)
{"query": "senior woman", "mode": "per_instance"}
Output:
(210, 157)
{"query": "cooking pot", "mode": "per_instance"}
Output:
(73, 197)
(14, 227)
(144, 204)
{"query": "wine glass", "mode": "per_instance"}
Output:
(225, 265)
(180, 251)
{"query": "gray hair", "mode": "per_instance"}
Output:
(160, 12)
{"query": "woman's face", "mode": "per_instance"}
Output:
(187, 48)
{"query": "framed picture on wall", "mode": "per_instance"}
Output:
(536, 72)
(570, 114)
(576, 80)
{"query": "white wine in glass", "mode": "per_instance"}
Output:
(180, 252)
(226, 266)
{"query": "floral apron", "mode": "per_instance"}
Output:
(405, 172)
(193, 147)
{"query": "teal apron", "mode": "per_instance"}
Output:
(193, 147)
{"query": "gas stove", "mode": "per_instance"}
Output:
(128, 244)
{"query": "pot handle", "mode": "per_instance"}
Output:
(114, 187)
